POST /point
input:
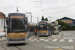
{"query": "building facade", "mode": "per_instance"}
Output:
(2, 15)
(68, 20)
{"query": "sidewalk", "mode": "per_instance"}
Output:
(2, 38)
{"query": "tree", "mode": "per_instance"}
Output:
(42, 18)
(64, 26)
(46, 19)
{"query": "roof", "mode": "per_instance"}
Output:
(2, 15)
(66, 18)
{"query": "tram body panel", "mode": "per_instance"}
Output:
(16, 35)
(43, 33)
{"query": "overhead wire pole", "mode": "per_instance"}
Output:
(17, 9)
(37, 19)
(31, 17)
(20, 6)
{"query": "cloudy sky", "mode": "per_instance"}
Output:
(47, 8)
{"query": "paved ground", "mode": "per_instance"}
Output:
(64, 41)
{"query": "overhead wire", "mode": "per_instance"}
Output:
(41, 6)
(20, 6)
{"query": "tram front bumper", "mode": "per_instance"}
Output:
(15, 41)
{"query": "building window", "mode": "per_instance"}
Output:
(2, 22)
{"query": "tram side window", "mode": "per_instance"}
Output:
(17, 24)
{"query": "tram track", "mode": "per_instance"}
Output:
(17, 47)
(5, 47)
(38, 38)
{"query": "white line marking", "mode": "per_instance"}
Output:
(33, 39)
(41, 39)
(38, 40)
(55, 39)
(29, 38)
(70, 40)
(46, 40)
(61, 40)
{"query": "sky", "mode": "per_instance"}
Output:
(51, 9)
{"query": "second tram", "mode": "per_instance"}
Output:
(43, 28)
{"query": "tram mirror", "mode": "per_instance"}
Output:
(25, 21)
(7, 21)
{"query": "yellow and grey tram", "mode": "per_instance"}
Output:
(43, 28)
(16, 28)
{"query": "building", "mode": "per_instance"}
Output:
(2, 29)
(70, 21)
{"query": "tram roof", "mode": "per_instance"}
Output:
(16, 13)
(32, 24)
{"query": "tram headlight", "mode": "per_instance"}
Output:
(25, 34)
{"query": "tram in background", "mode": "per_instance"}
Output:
(31, 29)
(16, 28)
(43, 28)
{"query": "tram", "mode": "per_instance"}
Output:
(16, 28)
(43, 28)
(31, 29)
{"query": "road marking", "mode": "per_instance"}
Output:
(55, 39)
(61, 40)
(58, 49)
(41, 39)
(33, 39)
(68, 37)
(46, 40)
(38, 40)
(70, 40)
(30, 39)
